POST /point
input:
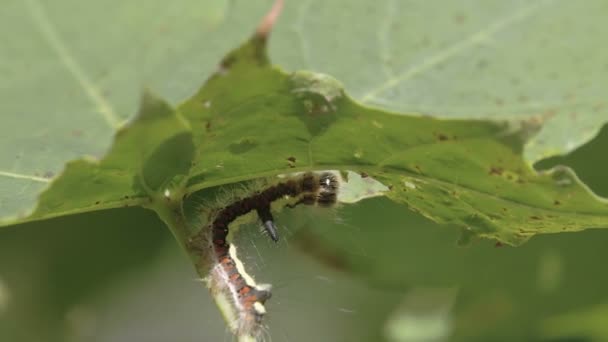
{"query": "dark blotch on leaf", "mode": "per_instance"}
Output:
(534, 217)
(169, 159)
(228, 61)
(494, 170)
(556, 202)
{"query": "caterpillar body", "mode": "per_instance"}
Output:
(228, 278)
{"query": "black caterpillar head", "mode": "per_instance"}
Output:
(328, 189)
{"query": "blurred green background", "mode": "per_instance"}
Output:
(364, 272)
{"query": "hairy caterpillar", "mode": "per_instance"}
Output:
(228, 279)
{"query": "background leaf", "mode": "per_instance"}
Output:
(466, 59)
(68, 81)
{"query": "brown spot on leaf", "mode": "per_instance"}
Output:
(291, 162)
(364, 175)
(534, 217)
(498, 244)
(495, 170)
(226, 63)
(556, 202)
(208, 126)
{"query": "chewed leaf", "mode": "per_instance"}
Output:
(468, 172)
(251, 120)
(150, 154)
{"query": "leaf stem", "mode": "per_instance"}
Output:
(169, 210)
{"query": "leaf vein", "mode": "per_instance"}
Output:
(469, 42)
(383, 35)
(41, 20)
(298, 28)
(23, 176)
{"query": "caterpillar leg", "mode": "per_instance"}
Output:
(268, 221)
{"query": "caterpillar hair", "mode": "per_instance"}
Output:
(228, 279)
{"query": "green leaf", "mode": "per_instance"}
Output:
(69, 81)
(470, 173)
(466, 59)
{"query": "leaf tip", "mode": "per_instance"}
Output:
(152, 105)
